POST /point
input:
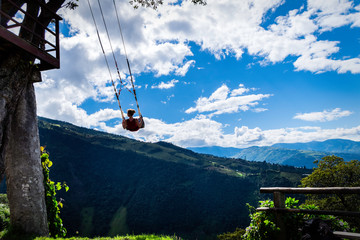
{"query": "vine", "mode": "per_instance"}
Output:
(56, 227)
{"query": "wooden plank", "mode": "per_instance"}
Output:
(307, 211)
(347, 235)
(327, 190)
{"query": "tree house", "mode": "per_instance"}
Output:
(47, 51)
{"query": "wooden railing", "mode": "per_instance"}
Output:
(279, 206)
(48, 51)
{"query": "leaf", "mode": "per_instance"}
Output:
(42, 149)
(60, 204)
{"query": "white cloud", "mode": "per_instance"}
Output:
(181, 71)
(323, 116)
(239, 91)
(202, 131)
(166, 85)
(220, 102)
(332, 13)
(159, 42)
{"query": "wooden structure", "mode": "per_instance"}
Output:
(47, 52)
(279, 206)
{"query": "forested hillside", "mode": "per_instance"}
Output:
(119, 185)
(292, 154)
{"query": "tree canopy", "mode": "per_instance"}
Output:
(333, 171)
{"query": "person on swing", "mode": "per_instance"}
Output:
(132, 124)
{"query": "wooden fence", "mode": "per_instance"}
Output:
(279, 206)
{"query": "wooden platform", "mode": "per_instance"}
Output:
(48, 53)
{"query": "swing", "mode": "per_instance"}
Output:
(127, 126)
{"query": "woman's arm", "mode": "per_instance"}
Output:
(140, 121)
(124, 123)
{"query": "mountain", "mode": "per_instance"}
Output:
(289, 157)
(292, 154)
(216, 151)
(119, 185)
(329, 146)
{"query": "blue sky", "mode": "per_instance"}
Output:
(230, 74)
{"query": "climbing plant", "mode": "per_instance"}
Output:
(56, 227)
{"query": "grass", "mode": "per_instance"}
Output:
(128, 237)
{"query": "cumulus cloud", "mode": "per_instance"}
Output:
(323, 116)
(202, 131)
(166, 85)
(225, 101)
(159, 42)
(181, 71)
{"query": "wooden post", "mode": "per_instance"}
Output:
(57, 44)
(279, 202)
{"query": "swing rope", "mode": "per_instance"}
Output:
(112, 50)
(127, 60)
(107, 63)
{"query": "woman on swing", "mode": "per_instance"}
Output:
(132, 124)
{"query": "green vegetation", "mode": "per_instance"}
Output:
(262, 225)
(237, 235)
(56, 227)
(333, 171)
(16, 236)
(127, 237)
(4, 212)
(122, 186)
(284, 153)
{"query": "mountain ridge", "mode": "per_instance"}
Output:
(119, 185)
(293, 154)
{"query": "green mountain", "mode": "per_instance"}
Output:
(292, 154)
(119, 185)
(298, 158)
(329, 146)
(291, 157)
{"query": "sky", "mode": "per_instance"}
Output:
(228, 74)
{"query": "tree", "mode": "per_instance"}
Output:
(333, 171)
(19, 138)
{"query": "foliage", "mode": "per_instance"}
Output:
(56, 227)
(128, 237)
(163, 189)
(4, 212)
(263, 223)
(155, 3)
(71, 4)
(333, 171)
(237, 235)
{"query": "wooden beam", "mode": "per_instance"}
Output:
(347, 235)
(38, 53)
(308, 211)
(316, 190)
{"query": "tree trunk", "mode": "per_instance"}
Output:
(19, 137)
(20, 146)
